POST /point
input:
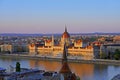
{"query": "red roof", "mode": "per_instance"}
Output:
(65, 34)
(65, 68)
(48, 41)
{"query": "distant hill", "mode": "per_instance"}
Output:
(55, 34)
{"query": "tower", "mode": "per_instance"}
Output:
(32, 48)
(52, 40)
(65, 38)
(65, 70)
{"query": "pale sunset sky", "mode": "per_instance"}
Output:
(51, 16)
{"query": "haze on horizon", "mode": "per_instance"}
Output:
(51, 16)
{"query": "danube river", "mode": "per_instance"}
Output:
(85, 71)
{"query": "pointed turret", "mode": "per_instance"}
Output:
(64, 58)
(52, 40)
(65, 28)
(65, 68)
(65, 34)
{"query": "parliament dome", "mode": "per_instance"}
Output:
(65, 34)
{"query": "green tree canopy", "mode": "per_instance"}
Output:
(18, 69)
(117, 54)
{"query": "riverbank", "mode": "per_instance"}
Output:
(77, 60)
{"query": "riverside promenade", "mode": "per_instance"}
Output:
(50, 58)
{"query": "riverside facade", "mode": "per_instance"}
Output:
(78, 48)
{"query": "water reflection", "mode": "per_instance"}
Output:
(82, 69)
(79, 69)
(85, 71)
(46, 65)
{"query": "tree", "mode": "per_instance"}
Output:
(18, 69)
(109, 55)
(117, 54)
(103, 55)
(78, 78)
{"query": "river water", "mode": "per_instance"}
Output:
(85, 71)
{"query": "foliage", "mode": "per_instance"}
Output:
(18, 69)
(103, 56)
(117, 54)
(78, 79)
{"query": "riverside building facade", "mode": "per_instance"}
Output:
(76, 49)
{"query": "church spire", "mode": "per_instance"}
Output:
(65, 68)
(64, 58)
(65, 28)
(52, 40)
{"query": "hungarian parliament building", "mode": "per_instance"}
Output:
(80, 48)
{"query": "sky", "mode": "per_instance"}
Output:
(51, 16)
